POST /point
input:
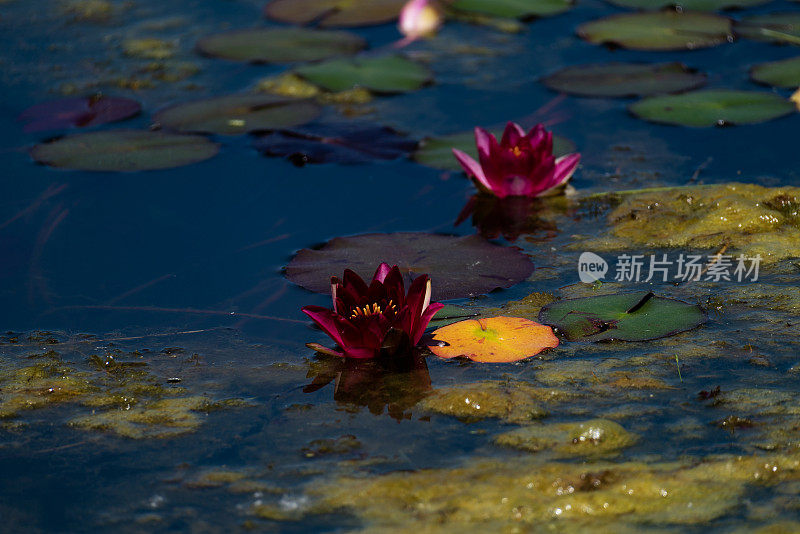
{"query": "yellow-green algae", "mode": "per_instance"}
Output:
(520, 494)
(515, 402)
(594, 438)
(148, 48)
(749, 219)
(290, 84)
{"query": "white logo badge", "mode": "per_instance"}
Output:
(591, 267)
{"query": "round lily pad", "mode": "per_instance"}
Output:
(78, 112)
(783, 73)
(514, 9)
(124, 150)
(624, 79)
(459, 267)
(720, 107)
(388, 74)
(636, 316)
(781, 27)
(334, 13)
(280, 45)
(437, 152)
(688, 5)
(663, 30)
(237, 114)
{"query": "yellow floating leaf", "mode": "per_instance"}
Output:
(493, 340)
(796, 98)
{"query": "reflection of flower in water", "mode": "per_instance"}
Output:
(396, 383)
(509, 217)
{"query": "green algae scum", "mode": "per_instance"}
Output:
(180, 178)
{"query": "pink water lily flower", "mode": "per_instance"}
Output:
(367, 320)
(520, 165)
(419, 18)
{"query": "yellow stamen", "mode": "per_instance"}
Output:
(517, 152)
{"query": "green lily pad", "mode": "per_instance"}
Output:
(236, 114)
(334, 13)
(437, 152)
(636, 316)
(124, 150)
(720, 107)
(783, 73)
(783, 27)
(280, 45)
(624, 79)
(388, 74)
(459, 267)
(688, 5)
(663, 30)
(514, 9)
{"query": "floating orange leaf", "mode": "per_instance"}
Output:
(493, 340)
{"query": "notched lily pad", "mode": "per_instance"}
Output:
(664, 30)
(388, 74)
(782, 27)
(493, 340)
(688, 5)
(783, 73)
(237, 114)
(459, 267)
(719, 107)
(437, 152)
(513, 9)
(624, 79)
(280, 45)
(78, 112)
(124, 150)
(334, 13)
(338, 143)
(636, 316)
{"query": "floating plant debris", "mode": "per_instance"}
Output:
(387, 74)
(493, 340)
(663, 30)
(335, 143)
(236, 114)
(624, 79)
(280, 45)
(634, 316)
(713, 107)
(78, 112)
(459, 266)
(334, 13)
(124, 151)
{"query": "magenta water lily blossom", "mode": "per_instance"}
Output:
(368, 319)
(520, 164)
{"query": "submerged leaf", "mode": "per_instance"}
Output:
(124, 150)
(493, 340)
(338, 143)
(78, 112)
(458, 266)
(635, 316)
(280, 45)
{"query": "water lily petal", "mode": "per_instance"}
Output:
(381, 272)
(327, 320)
(512, 135)
(424, 320)
(565, 168)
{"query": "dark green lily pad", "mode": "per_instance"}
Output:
(237, 114)
(334, 13)
(624, 79)
(688, 5)
(388, 74)
(783, 73)
(663, 30)
(280, 45)
(124, 150)
(720, 107)
(437, 152)
(336, 143)
(637, 316)
(459, 267)
(514, 9)
(783, 27)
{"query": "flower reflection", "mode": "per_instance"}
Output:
(509, 217)
(396, 384)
